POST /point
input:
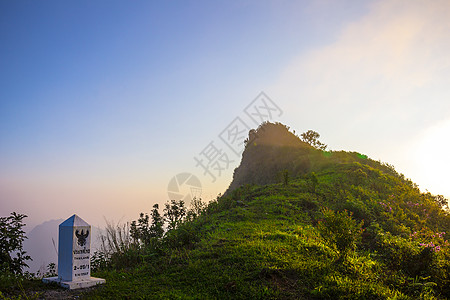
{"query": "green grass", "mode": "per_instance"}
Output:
(263, 243)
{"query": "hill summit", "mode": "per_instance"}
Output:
(273, 151)
(270, 149)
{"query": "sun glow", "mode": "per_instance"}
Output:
(432, 159)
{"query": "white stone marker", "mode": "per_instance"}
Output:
(74, 247)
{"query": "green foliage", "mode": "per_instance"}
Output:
(174, 212)
(127, 245)
(186, 235)
(14, 282)
(51, 270)
(117, 248)
(312, 182)
(12, 237)
(197, 208)
(140, 230)
(156, 228)
(404, 255)
(145, 234)
(284, 175)
(340, 230)
(312, 138)
(277, 241)
(18, 290)
(99, 261)
(441, 201)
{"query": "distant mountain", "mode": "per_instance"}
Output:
(42, 244)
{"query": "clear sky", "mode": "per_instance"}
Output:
(102, 103)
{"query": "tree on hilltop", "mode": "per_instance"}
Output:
(312, 138)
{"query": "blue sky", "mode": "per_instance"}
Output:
(102, 103)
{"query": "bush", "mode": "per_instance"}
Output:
(148, 235)
(12, 237)
(174, 213)
(340, 230)
(99, 261)
(407, 256)
(117, 247)
(197, 208)
(185, 235)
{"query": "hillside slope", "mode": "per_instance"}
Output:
(341, 226)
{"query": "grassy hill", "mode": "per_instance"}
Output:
(297, 223)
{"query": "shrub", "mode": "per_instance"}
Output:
(145, 234)
(99, 261)
(340, 230)
(174, 212)
(197, 208)
(12, 237)
(117, 247)
(284, 176)
(312, 182)
(402, 254)
(185, 235)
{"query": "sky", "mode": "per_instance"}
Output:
(106, 106)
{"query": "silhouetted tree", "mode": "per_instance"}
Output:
(441, 201)
(196, 208)
(156, 228)
(140, 230)
(11, 242)
(147, 234)
(174, 212)
(312, 138)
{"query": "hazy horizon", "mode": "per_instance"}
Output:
(103, 104)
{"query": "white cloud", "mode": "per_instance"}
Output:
(398, 47)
